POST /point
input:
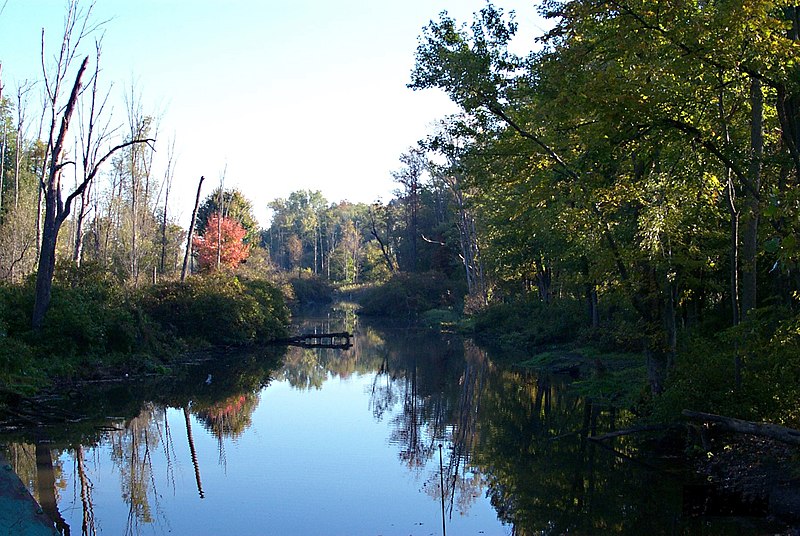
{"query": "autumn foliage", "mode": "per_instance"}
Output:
(231, 247)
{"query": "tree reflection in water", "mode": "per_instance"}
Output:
(131, 453)
(518, 438)
(224, 408)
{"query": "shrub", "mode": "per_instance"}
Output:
(273, 306)
(216, 308)
(409, 295)
(768, 343)
(530, 322)
(311, 290)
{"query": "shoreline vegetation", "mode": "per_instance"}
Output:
(97, 328)
(620, 205)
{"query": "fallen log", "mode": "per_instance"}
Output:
(739, 426)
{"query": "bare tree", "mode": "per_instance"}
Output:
(22, 92)
(188, 253)
(169, 173)
(93, 139)
(56, 209)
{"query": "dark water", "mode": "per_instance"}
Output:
(346, 442)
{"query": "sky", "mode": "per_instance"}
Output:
(278, 96)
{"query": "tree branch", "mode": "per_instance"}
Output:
(91, 175)
(712, 147)
(772, 431)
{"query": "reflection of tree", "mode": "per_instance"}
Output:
(131, 453)
(415, 448)
(466, 485)
(545, 477)
(302, 369)
(309, 368)
(229, 417)
(47, 476)
(88, 527)
(382, 397)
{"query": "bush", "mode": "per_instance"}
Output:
(768, 342)
(95, 326)
(409, 295)
(273, 306)
(216, 308)
(530, 322)
(311, 290)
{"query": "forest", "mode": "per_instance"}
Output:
(629, 187)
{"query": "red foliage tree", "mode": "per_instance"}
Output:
(231, 248)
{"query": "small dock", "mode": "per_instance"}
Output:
(340, 340)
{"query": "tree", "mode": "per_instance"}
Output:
(56, 209)
(410, 178)
(223, 239)
(235, 206)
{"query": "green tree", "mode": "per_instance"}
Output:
(235, 206)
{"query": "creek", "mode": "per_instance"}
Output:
(299, 441)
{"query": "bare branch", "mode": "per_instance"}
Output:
(95, 169)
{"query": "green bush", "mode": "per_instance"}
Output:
(409, 295)
(530, 322)
(768, 343)
(215, 308)
(16, 308)
(311, 290)
(273, 306)
(95, 326)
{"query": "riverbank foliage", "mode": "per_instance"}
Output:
(98, 327)
(641, 170)
(408, 295)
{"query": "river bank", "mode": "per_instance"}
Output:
(98, 329)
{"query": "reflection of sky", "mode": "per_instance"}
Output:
(313, 462)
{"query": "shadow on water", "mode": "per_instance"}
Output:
(515, 439)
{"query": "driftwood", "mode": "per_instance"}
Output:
(739, 426)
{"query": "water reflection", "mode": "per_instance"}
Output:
(178, 456)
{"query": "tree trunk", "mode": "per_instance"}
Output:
(80, 217)
(188, 253)
(751, 207)
(734, 252)
(3, 163)
(47, 261)
(772, 431)
(54, 212)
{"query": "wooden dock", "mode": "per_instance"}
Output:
(340, 340)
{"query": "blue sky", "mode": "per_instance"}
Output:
(297, 94)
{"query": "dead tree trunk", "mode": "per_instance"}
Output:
(188, 253)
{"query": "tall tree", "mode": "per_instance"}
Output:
(410, 179)
(57, 209)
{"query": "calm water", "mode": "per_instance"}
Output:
(346, 442)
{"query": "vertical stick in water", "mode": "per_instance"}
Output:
(441, 484)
